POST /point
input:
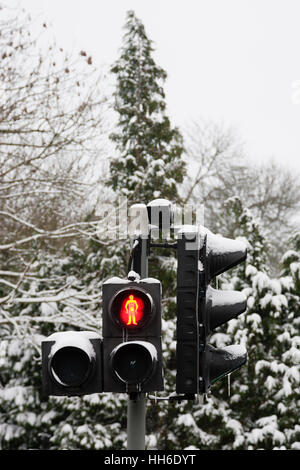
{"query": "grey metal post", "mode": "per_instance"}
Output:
(136, 406)
(136, 422)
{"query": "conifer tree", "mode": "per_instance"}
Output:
(149, 166)
(149, 163)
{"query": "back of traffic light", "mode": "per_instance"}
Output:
(132, 348)
(187, 346)
(202, 308)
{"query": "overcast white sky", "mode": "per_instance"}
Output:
(230, 61)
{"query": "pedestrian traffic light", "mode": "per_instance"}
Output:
(202, 256)
(72, 363)
(132, 349)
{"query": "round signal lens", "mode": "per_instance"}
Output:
(131, 308)
(134, 362)
(70, 366)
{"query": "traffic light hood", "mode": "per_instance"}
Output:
(223, 305)
(223, 361)
(76, 339)
(222, 253)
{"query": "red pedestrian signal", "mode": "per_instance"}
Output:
(132, 310)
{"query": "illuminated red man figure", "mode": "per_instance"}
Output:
(131, 308)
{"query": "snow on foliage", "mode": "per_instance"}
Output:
(63, 293)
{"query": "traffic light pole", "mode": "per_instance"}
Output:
(136, 406)
(136, 421)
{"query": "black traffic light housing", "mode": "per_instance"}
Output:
(187, 348)
(202, 256)
(216, 307)
(132, 349)
(72, 363)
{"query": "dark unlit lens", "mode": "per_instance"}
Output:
(133, 363)
(70, 366)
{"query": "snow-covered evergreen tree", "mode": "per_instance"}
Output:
(150, 164)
